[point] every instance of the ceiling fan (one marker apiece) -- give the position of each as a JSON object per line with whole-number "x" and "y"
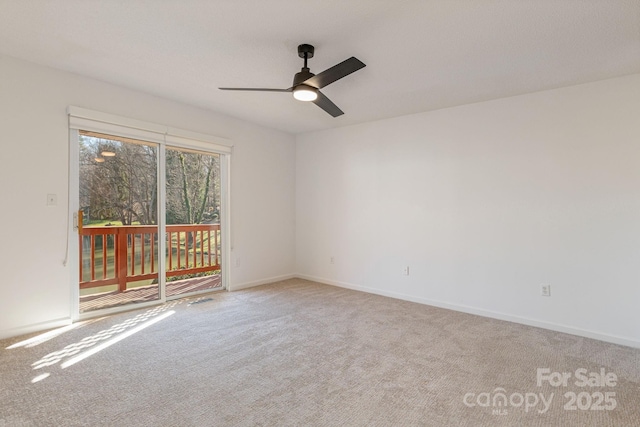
{"x": 306, "y": 85}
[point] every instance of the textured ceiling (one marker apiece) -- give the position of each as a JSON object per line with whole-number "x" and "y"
{"x": 421, "y": 55}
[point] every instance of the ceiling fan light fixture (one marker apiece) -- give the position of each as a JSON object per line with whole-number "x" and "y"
{"x": 305, "y": 93}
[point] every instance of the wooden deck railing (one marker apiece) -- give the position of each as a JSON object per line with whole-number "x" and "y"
{"x": 116, "y": 255}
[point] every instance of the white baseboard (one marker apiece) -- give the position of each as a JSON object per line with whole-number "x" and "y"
{"x": 482, "y": 312}
{"x": 39, "y": 327}
{"x": 36, "y": 327}
{"x": 239, "y": 286}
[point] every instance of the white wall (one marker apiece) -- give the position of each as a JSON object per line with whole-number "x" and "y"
{"x": 34, "y": 285}
{"x": 484, "y": 203}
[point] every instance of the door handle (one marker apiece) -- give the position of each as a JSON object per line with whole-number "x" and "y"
{"x": 78, "y": 218}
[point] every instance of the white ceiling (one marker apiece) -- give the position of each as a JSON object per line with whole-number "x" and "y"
{"x": 421, "y": 54}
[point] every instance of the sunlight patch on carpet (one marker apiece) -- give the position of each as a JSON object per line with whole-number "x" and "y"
{"x": 112, "y": 341}
{"x": 44, "y": 337}
{"x": 40, "y": 377}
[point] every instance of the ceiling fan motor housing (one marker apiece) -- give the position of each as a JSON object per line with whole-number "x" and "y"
{"x": 300, "y": 77}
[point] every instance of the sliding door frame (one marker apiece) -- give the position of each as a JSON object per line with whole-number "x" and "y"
{"x": 162, "y": 137}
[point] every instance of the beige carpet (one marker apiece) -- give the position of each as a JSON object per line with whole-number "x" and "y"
{"x": 297, "y": 353}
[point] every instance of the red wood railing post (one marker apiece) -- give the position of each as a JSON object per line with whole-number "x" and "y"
{"x": 209, "y": 247}
{"x": 93, "y": 257}
{"x": 179, "y": 249}
{"x": 121, "y": 259}
{"x": 215, "y": 233}
{"x": 201, "y": 248}
{"x": 81, "y": 257}
{"x": 170, "y": 247}
{"x": 133, "y": 253}
{"x": 153, "y": 251}
{"x": 104, "y": 256}
{"x": 143, "y": 237}
{"x": 195, "y": 249}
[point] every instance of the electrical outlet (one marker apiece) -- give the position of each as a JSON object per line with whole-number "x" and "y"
{"x": 545, "y": 290}
{"x": 405, "y": 271}
{"x": 332, "y": 260}
{"x": 237, "y": 262}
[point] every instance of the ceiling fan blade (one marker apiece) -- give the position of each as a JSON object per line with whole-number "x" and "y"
{"x": 334, "y": 73}
{"x": 328, "y": 106}
{"x": 256, "y": 89}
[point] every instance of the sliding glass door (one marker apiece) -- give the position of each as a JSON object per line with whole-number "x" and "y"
{"x": 137, "y": 244}
{"x": 117, "y": 221}
{"x": 193, "y": 222}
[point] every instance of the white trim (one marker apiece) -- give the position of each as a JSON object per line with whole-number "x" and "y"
{"x": 73, "y": 254}
{"x": 196, "y": 141}
{"x": 161, "y": 179}
{"x": 82, "y": 118}
{"x": 225, "y": 218}
{"x": 97, "y": 116}
{"x": 481, "y": 312}
{"x": 239, "y": 286}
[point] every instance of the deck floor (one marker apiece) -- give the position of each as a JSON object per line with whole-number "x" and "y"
{"x": 148, "y": 293}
